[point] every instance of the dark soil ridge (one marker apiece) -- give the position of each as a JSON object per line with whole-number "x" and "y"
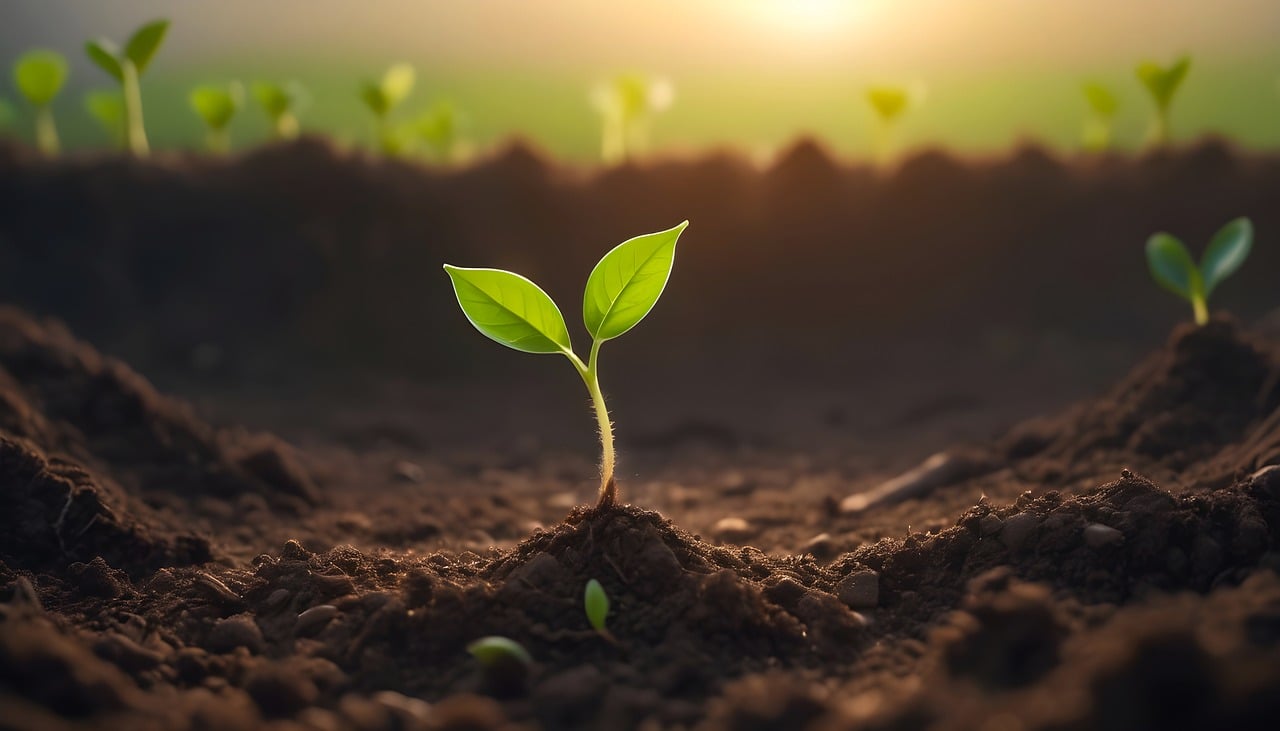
{"x": 331, "y": 258}
{"x": 87, "y": 447}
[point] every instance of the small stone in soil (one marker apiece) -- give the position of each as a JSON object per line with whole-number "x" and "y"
{"x": 1097, "y": 535}
{"x": 233, "y": 632}
{"x": 731, "y": 529}
{"x": 1017, "y": 529}
{"x": 860, "y": 590}
{"x": 315, "y": 618}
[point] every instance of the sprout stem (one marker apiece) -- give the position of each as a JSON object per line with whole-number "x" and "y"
{"x": 1201, "y": 309}
{"x": 590, "y": 376}
{"x": 46, "y": 131}
{"x": 135, "y": 130}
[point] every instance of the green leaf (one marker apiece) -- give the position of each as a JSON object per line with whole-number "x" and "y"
{"x": 39, "y": 75}
{"x": 394, "y": 88}
{"x": 108, "y": 108}
{"x": 1171, "y": 265}
{"x": 491, "y": 650}
{"x": 1227, "y": 251}
{"x": 144, "y": 43}
{"x": 106, "y": 55}
{"x": 510, "y": 309}
{"x": 1163, "y": 82}
{"x": 371, "y": 94}
{"x": 216, "y": 105}
{"x": 628, "y": 281}
{"x": 277, "y": 99}
{"x": 888, "y": 101}
{"x": 597, "y": 605}
{"x": 1101, "y": 100}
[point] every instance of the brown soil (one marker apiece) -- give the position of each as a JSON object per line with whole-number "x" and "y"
{"x": 1110, "y": 564}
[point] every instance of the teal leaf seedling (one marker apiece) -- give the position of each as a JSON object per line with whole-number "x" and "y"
{"x": 1162, "y": 83}
{"x": 40, "y": 76}
{"x": 596, "y": 603}
{"x": 1173, "y": 268}
{"x": 217, "y": 106}
{"x": 281, "y": 103}
{"x": 382, "y": 97}
{"x": 107, "y": 109}
{"x": 627, "y": 105}
{"x": 622, "y": 288}
{"x": 1098, "y": 126}
{"x": 126, "y": 65}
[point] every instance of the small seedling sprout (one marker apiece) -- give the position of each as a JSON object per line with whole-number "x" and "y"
{"x": 596, "y": 602}
{"x": 281, "y": 103}
{"x": 1174, "y": 269}
{"x": 217, "y": 106}
{"x": 494, "y": 650}
{"x": 627, "y": 106}
{"x": 888, "y": 104}
{"x": 1162, "y": 82}
{"x": 39, "y": 76}
{"x": 622, "y": 289}
{"x": 1098, "y": 126}
{"x": 107, "y": 107}
{"x": 440, "y": 127}
{"x": 382, "y": 97}
{"x": 126, "y": 66}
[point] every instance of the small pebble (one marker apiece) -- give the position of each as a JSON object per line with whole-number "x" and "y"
{"x": 233, "y": 632}
{"x": 315, "y": 618}
{"x": 860, "y": 590}
{"x": 990, "y": 524}
{"x": 1097, "y": 535}
{"x": 277, "y": 598}
{"x": 416, "y": 708}
{"x": 411, "y": 472}
{"x": 1017, "y": 529}
{"x": 731, "y": 528}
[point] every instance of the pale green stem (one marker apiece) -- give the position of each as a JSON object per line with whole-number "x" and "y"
{"x": 219, "y": 140}
{"x": 1201, "y": 309}
{"x": 883, "y": 140}
{"x": 135, "y": 129}
{"x": 590, "y": 376}
{"x": 1161, "y": 135}
{"x": 46, "y": 131}
{"x": 286, "y": 126}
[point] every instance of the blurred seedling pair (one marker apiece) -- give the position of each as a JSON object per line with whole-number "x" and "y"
{"x": 1173, "y": 268}
{"x": 439, "y": 128}
{"x": 126, "y": 65}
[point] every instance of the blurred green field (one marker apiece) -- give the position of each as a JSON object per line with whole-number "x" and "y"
{"x": 755, "y": 113}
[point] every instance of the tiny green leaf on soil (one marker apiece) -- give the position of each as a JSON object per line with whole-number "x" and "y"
{"x": 216, "y": 105}
{"x": 1101, "y": 99}
{"x": 493, "y": 650}
{"x": 596, "y": 602}
{"x": 1163, "y": 81}
{"x": 1173, "y": 268}
{"x": 628, "y": 281}
{"x": 889, "y": 102}
{"x": 40, "y": 75}
{"x": 510, "y": 309}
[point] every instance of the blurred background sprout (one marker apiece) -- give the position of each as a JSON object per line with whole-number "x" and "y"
{"x": 281, "y": 103}
{"x": 627, "y": 105}
{"x": 1100, "y": 122}
{"x": 107, "y": 109}
{"x": 440, "y": 128}
{"x": 126, "y": 65}
{"x": 888, "y": 105}
{"x": 382, "y": 97}
{"x": 39, "y": 76}
{"x": 217, "y": 106}
{"x": 1162, "y": 82}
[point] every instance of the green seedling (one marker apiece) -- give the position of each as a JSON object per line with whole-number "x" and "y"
{"x": 1174, "y": 269}
{"x": 281, "y": 103}
{"x": 888, "y": 104}
{"x": 1098, "y": 126}
{"x": 503, "y": 661}
{"x": 440, "y": 127}
{"x": 596, "y": 602}
{"x": 107, "y": 107}
{"x": 1162, "y": 82}
{"x": 126, "y": 65}
{"x": 623, "y": 287}
{"x": 382, "y": 97}
{"x": 627, "y": 106}
{"x": 217, "y": 106}
{"x": 39, "y": 76}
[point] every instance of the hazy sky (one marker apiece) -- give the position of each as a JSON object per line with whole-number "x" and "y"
{"x": 672, "y": 35}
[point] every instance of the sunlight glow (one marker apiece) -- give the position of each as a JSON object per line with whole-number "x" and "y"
{"x": 810, "y": 16}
